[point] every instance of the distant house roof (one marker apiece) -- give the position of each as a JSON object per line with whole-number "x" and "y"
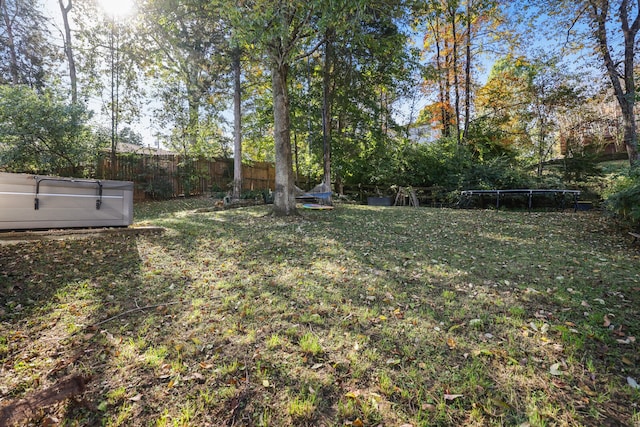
{"x": 125, "y": 147}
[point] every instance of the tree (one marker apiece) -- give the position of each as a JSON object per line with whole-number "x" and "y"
{"x": 68, "y": 48}
{"x": 182, "y": 44}
{"x": 503, "y": 106}
{"x": 612, "y": 26}
{"x": 237, "y": 122}
{"x": 625, "y": 91}
{"x": 281, "y": 29}
{"x": 40, "y": 133}
{"x": 103, "y": 56}
{"x": 552, "y": 94}
{"x": 372, "y": 65}
{"x": 457, "y": 33}
{"x": 524, "y": 99}
{"x": 24, "y": 44}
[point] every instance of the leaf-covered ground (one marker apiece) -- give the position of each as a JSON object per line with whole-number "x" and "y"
{"x": 359, "y": 316}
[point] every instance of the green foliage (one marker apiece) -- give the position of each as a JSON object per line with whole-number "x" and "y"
{"x": 456, "y": 167}
{"x": 41, "y": 133}
{"x": 26, "y": 50}
{"x": 159, "y": 188}
{"x": 581, "y": 166}
{"x": 186, "y": 59}
{"x": 442, "y": 163}
{"x": 487, "y": 139}
{"x": 623, "y": 197}
{"x": 497, "y": 173}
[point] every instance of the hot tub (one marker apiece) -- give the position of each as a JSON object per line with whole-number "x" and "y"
{"x": 43, "y": 202}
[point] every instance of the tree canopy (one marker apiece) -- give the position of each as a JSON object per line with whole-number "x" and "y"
{"x": 332, "y": 91}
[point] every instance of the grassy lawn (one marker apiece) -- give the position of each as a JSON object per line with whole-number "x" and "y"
{"x": 359, "y": 316}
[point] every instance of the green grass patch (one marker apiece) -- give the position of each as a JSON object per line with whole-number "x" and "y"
{"x": 358, "y": 316}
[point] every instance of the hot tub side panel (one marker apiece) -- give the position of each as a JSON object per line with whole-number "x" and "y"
{"x": 30, "y": 202}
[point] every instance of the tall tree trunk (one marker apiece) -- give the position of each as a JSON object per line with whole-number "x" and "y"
{"x": 68, "y": 49}
{"x": 13, "y": 56}
{"x": 441, "y": 85}
{"x": 296, "y": 158}
{"x": 114, "y": 110}
{"x": 237, "y": 126}
{"x": 284, "y": 201}
{"x": 447, "y": 86}
{"x": 625, "y": 95}
{"x": 467, "y": 74}
{"x": 194, "y": 110}
{"x": 456, "y": 82}
{"x": 326, "y": 107}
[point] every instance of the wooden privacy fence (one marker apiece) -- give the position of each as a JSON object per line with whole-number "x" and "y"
{"x": 168, "y": 176}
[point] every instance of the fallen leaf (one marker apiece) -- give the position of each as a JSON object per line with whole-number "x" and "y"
{"x": 451, "y": 397}
{"x": 500, "y": 403}
{"x": 555, "y": 369}
{"x": 136, "y": 398}
{"x": 558, "y": 383}
{"x": 428, "y": 407}
{"x": 451, "y": 343}
{"x": 351, "y": 395}
{"x": 265, "y": 383}
{"x": 606, "y": 322}
{"x": 633, "y": 383}
{"x": 358, "y": 423}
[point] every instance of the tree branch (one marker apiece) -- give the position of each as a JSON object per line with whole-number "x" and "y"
{"x": 311, "y": 51}
{"x": 133, "y": 310}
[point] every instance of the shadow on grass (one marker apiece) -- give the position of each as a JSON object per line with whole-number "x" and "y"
{"x": 501, "y": 272}
{"x": 378, "y": 314}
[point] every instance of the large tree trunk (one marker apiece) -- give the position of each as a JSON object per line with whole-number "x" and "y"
{"x": 68, "y": 50}
{"x": 456, "y": 83}
{"x": 630, "y": 133}
{"x": 467, "y": 75}
{"x": 284, "y": 201}
{"x": 237, "y": 126}
{"x": 326, "y": 108}
{"x": 625, "y": 95}
{"x": 441, "y": 85}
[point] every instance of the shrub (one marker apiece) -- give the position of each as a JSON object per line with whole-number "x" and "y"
{"x": 623, "y": 197}
{"x": 497, "y": 173}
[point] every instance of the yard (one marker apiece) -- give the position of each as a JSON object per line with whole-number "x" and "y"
{"x": 360, "y": 316}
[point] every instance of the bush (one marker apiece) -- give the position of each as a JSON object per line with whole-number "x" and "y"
{"x": 441, "y": 163}
{"x": 41, "y": 133}
{"x": 623, "y": 197}
{"x": 498, "y": 173}
{"x": 159, "y": 188}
